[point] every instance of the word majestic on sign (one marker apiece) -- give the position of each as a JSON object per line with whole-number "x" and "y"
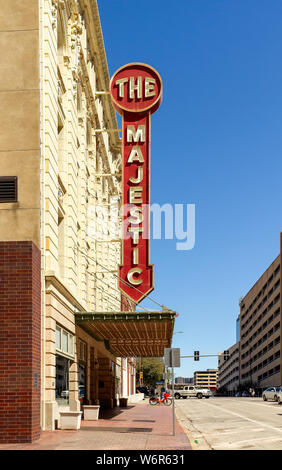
{"x": 136, "y": 91}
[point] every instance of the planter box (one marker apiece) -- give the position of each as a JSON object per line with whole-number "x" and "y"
{"x": 91, "y": 412}
{"x": 123, "y": 402}
{"x": 70, "y": 419}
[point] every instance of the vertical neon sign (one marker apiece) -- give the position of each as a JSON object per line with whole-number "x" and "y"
{"x": 136, "y": 91}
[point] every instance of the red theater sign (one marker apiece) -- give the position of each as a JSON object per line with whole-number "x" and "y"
{"x": 136, "y": 91}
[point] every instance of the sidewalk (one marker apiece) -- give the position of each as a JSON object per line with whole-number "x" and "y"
{"x": 137, "y": 427}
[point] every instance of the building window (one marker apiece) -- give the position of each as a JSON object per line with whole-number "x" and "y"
{"x": 82, "y": 358}
{"x": 64, "y": 342}
{"x": 62, "y": 380}
{"x": 81, "y": 382}
{"x": 64, "y": 355}
{"x": 58, "y": 338}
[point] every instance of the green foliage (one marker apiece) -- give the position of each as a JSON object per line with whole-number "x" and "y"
{"x": 153, "y": 369}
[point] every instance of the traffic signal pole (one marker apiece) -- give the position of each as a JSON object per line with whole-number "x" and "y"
{"x": 198, "y": 355}
{"x": 202, "y": 355}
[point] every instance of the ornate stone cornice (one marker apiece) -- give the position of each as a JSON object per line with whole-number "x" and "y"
{"x": 98, "y": 49}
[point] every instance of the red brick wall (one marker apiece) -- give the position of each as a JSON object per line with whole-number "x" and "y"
{"x": 20, "y": 344}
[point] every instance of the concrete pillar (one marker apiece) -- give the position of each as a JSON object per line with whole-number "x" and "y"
{"x": 94, "y": 373}
{"x": 106, "y": 383}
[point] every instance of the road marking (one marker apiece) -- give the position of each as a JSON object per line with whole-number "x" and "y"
{"x": 272, "y": 404}
{"x": 262, "y": 403}
{"x": 248, "y": 419}
{"x": 249, "y": 441}
{"x": 223, "y": 432}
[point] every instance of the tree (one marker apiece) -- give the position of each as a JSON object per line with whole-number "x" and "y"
{"x": 153, "y": 369}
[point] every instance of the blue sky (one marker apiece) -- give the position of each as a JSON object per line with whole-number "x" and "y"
{"x": 216, "y": 143}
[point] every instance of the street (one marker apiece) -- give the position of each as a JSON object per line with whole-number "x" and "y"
{"x": 229, "y": 423}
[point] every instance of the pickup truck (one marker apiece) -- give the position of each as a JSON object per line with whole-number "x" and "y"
{"x": 190, "y": 391}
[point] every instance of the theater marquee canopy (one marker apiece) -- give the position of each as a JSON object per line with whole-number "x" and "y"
{"x": 130, "y": 333}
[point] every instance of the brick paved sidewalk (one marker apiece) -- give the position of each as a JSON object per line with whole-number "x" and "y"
{"x": 137, "y": 427}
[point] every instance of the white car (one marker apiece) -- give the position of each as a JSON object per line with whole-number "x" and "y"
{"x": 279, "y": 397}
{"x": 190, "y": 391}
{"x": 271, "y": 393}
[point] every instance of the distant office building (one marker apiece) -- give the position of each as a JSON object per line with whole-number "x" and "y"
{"x": 260, "y": 324}
{"x": 255, "y": 359}
{"x": 184, "y": 380}
{"x": 206, "y": 378}
{"x": 229, "y": 370}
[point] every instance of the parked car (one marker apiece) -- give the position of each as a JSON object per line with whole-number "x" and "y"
{"x": 245, "y": 394}
{"x": 271, "y": 393}
{"x": 190, "y": 391}
{"x": 279, "y": 397}
{"x": 81, "y": 392}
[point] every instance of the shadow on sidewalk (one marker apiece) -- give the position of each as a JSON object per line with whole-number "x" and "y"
{"x": 112, "y": 413}
{"x": 111, "y": 429}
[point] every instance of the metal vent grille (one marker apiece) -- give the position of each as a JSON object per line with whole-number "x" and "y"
{"x": 8, "y": 189}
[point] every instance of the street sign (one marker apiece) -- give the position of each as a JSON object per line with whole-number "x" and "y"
{"x": 172, "y": 357}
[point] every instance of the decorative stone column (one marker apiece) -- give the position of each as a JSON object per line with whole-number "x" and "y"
{"x": 94, "y": 374}
{"x": 74, "y": 402}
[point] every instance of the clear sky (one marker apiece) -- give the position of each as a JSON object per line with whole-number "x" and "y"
{"x": 216, "y": 143}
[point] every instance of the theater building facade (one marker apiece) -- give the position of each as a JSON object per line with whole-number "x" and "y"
{"x": 67, "y": 335}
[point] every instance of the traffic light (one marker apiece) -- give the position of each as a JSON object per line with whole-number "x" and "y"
{"x": 226, "y": 355}
{"x": 196, "y": 355}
